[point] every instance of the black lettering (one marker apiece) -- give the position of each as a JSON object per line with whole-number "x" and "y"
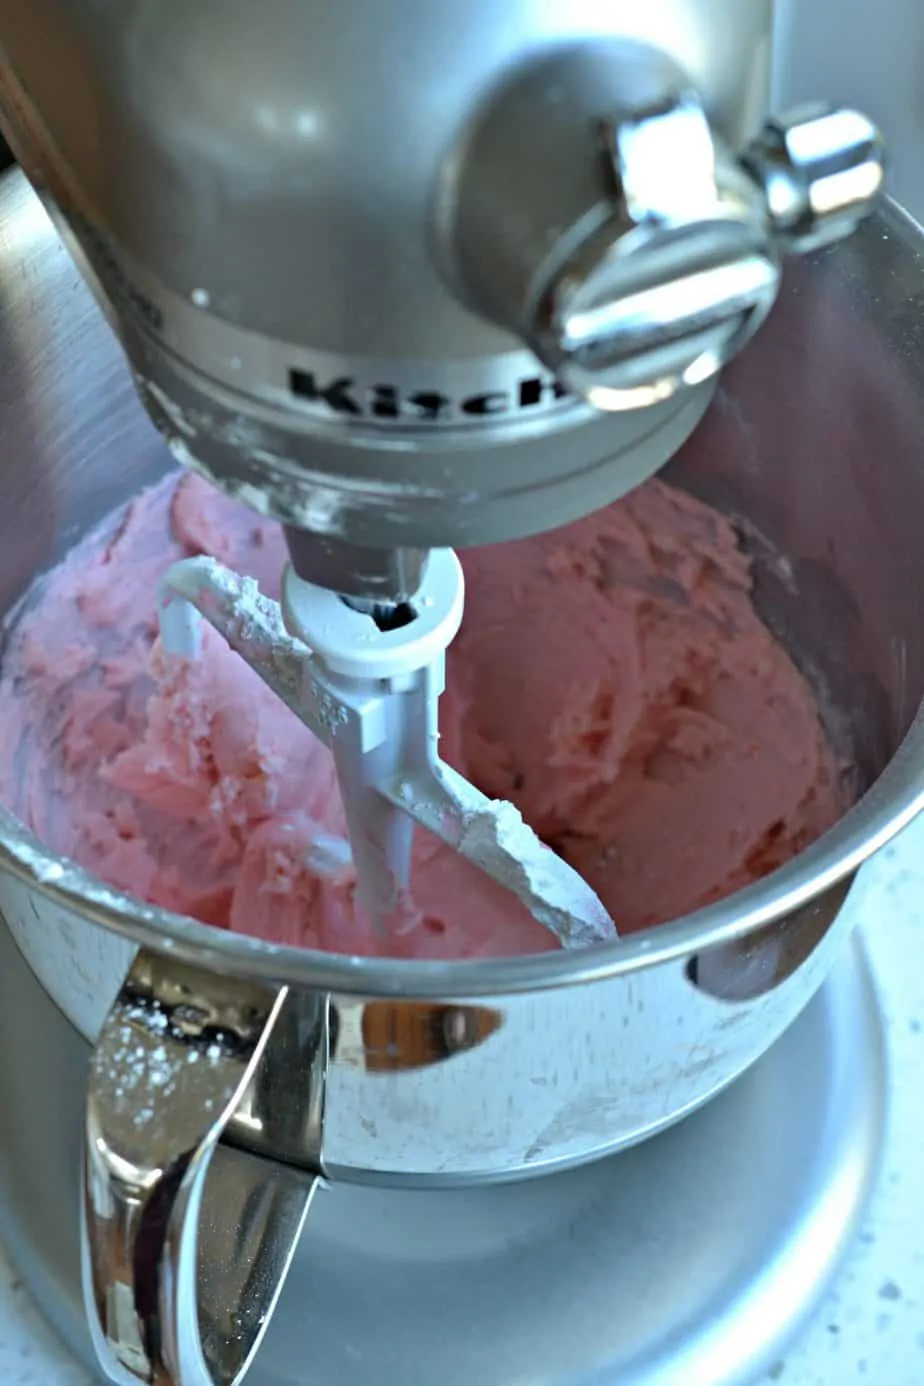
{"x": 536, "y": 390}
{"x": 495, "y": 403}
{"x": 335, "y": 395}
{"x": 385, "y": 403}
{"x": 429, "y": 405}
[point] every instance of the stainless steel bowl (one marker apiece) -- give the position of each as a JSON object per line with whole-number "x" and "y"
{"x": 309, "y": 1065}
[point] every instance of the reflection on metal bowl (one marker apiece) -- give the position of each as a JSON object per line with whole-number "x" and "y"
{"x": 384, "y": 1071}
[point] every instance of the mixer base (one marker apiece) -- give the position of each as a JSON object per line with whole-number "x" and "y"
{"x": 694, "y": 1257}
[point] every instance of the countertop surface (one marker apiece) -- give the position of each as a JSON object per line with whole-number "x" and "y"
{"x": 870, "y": 1329}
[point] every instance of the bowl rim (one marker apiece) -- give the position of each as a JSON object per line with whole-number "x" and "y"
{"x": 889, "y": 805}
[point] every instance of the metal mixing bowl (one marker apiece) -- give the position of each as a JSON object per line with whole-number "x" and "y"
{"x": 423, "y": 1072}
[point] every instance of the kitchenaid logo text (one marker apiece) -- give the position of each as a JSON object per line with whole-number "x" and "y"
{"x": 343, "y": 397}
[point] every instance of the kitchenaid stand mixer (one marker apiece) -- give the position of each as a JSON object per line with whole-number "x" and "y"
{"x": 395, "y": 321}
{"x": 407, "y": 283}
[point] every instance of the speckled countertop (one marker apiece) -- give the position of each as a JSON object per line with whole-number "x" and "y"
{"x": 870, "y": 1330}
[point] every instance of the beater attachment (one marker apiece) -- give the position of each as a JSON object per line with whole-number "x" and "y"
{"x": 371, "y": 694}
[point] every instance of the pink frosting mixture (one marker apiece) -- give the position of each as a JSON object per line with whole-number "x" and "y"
{"x": 611, "y": 679}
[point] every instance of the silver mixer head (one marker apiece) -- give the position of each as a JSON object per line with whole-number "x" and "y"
{"x": 464, "y": 279}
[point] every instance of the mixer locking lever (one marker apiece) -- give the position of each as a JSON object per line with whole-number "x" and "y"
{"x": 639, "y": 273}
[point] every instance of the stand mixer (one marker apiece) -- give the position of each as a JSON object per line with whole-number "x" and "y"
{"x": 407, "y": 282}
{"x": 424, "y": 292}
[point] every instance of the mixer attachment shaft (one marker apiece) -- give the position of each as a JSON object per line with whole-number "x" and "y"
{"x": 371, "y": 695}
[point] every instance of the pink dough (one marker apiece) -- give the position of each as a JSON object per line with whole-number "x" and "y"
{"x": 612, "y": 679}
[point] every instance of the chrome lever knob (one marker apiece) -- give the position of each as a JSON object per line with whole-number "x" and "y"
{"x": 674, "y": 282}
{"x": 637, "y": 263}
{"x": 821, "y": 170}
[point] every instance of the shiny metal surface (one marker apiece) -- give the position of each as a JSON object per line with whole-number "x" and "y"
{"x": 385, "y": 577}
{"x": 285, "y": 280}
{"x": 694, "y": 1258}
{"x": 179, "y": 1052}
{"x": 839, "y": 505}
{"x": 819, "y": 171}
{"x": 454, "y": 1073}
{"x": 875, "y": 64}
{"x": 664, "y": 260}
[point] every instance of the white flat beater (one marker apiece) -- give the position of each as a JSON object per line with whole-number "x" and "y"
{"x": 371, "y": 695}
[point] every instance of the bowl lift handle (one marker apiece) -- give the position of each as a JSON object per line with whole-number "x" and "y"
{"x": 188, "y": 1229}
